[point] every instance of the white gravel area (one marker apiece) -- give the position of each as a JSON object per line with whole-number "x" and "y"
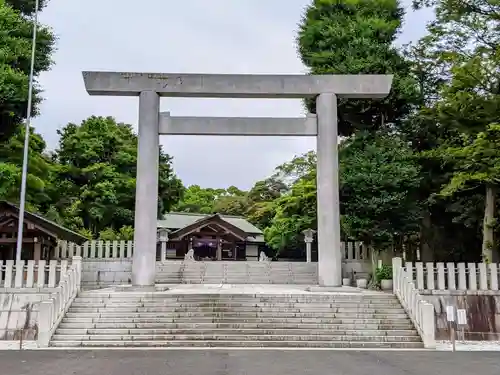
{"x": 14, "y": 345}
{"x": 469, "y": 346}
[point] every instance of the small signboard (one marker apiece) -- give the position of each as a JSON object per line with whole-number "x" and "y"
{"x": 461, "y": 317}
{"x": 450, "y": 313}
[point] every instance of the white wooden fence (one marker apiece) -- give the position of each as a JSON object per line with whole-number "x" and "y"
{"x": 32, "y": 274}
{"x": 454, "y": 276}
{"x": 351, "y": 251}
{"x": 95, "y": 249}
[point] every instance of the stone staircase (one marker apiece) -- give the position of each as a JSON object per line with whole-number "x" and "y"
{"x": 167, "y": 319}
{"x": 230, "y": 272}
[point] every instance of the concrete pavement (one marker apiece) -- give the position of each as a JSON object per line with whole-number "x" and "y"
{"x": 246, "y": 362}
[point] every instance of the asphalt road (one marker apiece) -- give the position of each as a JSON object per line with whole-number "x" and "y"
{"x": 245, "y": 362}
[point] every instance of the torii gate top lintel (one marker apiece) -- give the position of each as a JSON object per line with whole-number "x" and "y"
{"x": 236, "y": 85}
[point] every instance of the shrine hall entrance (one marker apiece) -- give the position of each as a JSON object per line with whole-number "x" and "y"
{"x": 212, "y": 238}
{"x": 205, "y": 249}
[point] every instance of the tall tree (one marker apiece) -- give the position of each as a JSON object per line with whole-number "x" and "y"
{"x": 198, "y": 200}
{"x": 15, "y": 59}
{"x": 27, "y": 7}
{"x": 477, "y": 164}
{"x": 40, "y": 168}
{"x": 356, "y": 37}
{"x": 294, "y": 212}
{"x": 233, "y": 202}
{"x": 464, "y": 40}
{"x": 96, "y": 175}
{"x": 379, "y": 178}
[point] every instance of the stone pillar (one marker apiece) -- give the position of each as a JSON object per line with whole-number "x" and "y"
{"x": 146, "y": 199}
{"x": 329, "y": 247}
{"x": 308, "y": 252}
{"x": 308, "y": 239}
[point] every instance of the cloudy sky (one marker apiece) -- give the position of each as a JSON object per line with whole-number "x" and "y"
{"x": 192, "y": 36}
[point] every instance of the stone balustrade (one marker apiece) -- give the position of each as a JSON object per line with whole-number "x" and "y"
{"x": 52, "y": 311}
{"x": 420, "y": 311}
{"x": 454, "y": 276}
{"x": 352, "y": 251}
{"x": 32, "y": 273}
{"x": 95, "y": 249}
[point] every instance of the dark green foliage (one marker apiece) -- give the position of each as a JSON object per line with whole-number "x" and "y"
{"x": 356, "y": 37}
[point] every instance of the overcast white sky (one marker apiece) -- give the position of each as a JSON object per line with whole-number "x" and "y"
{"x": 192, "y": 36}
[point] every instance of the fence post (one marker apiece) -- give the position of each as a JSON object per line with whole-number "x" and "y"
{"x": 483, "y": 276}
{"x": 45, "y": 320}
{"x": 77, "y": 262}
{"x": 397, "y": 264}
{"x": 472, "y": 276}
{"x": 428, "y": 325}
{"x": 19, "y": 278}
{"x": 493, "y": 276}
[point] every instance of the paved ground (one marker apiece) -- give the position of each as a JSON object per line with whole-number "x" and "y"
{"x": 245, "y": 362}
{"x": 242, "y": 289}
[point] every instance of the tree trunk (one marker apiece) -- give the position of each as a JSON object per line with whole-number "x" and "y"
{"x": 426, "y": 253}
{"x": 488, "y": 224}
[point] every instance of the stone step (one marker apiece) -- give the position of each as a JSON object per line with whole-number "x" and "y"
{"x": 235, "y": 337}
{"x": 274, "y": 274}
{"x": 228, "y": 331}
{"x": 349, "y": 293}
{"x": 242, "y": 315}
{"x": 236, "y": 322}
{"x": 127, "y": 296}
{"x": 165, "y": 319}
{"x": 239, "y": 310}
{"x": 240, "y": 344}
{"x": 103, "y": 325}
{"x": 80, "y": 302}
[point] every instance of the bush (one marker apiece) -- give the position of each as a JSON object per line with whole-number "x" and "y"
{"x": 383, "y": 273}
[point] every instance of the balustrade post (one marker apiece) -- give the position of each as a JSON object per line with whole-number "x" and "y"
{"x": 77, "y": 261}
{"x": 397, "y": 264}
{"x": 428, "y": 325}
{"x": 45, "y": 321}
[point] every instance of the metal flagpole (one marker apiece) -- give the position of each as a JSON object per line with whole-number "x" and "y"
{"x": 22, "y": 198}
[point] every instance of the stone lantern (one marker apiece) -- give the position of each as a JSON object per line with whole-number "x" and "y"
{"x": 162, "y": 235}
{"x": 308, "y": 239}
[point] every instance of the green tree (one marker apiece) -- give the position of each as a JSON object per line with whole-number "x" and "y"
{"x": 233, "y": 202}
{"x": 198, "y": 200}
{"x": 261, "y": 201}
{"x": 477, "y": 164}
{"x": 294, "y": 212}
{"x": 470, "y": 103}
{"x": 230, "y": 201}
{"x": 464, "y": 41}
{"x": 124, "y": 233}
{"x": 96, "y": 175}
{"x": 289, "y": 204}
{"x": 356, "y": 37}
{"x": 15, "y": 59}
{"x": 379, "y": 178}
{"x": 27, "y": 7}
{"x": 40, "y": 168}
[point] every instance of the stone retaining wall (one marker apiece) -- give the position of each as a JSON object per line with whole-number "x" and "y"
{"x": 482, "y": 307}
{"x": 19, "y": 312}
{"x": 99, "y": 273}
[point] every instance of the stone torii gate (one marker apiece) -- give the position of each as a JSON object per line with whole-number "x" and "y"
{"x": 149, "y": 87}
